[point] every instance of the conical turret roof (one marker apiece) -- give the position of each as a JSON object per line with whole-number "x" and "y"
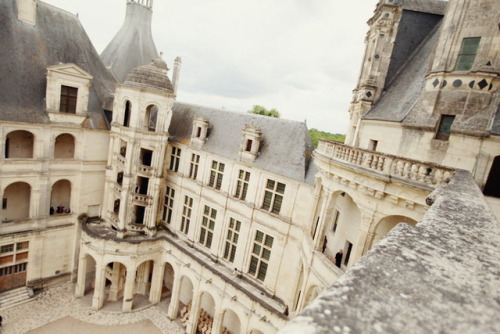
{"x": 133, "y": 45}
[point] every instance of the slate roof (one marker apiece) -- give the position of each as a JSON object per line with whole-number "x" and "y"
{"x": 285, "y": 149}
{"x": 151, "y": 76}
{"x": 402, "y": 93}
{"x": 26, "y": 52}
{"x": 133, "y": 45}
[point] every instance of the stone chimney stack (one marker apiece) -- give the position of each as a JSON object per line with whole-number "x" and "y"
{"x": 176, "y": 73}
{"x": 26, "y": 11}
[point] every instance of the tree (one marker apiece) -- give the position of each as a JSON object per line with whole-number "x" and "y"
{"x": 260, "y": 110}
{"x": 316, "y": 135}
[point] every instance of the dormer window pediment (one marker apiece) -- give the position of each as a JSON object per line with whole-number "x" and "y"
{"x": 67, "y": 94}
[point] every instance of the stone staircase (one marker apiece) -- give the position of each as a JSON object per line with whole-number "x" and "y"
{"x": 15, "y": 297}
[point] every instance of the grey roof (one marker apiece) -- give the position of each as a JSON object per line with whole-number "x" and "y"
{"x": 151, "y": 76}
{"x": 424, "y": 6}
{"x": 26, "y": 52}
{"x": 133, "y": 45}
{"x": 441, "y": 276}
{"x": 285, "y": 149}
{"x": 397, "y": 101}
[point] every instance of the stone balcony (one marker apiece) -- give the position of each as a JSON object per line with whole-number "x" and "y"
{"x": 423, "y": 174}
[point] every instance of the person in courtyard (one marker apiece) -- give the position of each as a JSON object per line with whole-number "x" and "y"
{"x": 338, "y": 258}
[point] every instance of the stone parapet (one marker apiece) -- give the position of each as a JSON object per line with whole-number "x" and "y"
{"x": 393, "y": 167}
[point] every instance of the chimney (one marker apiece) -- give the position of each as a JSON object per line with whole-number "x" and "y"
{"x": 176, "y": 73}
{"x": 26, "y": 11}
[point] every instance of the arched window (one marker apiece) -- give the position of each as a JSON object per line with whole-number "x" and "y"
{"x": 60, "y": 198}
{"x": 64, "y": 147}
{"x": 126, "y": 117}
{"x": 151, "y": 118}
{"x": 16, "y": 202}
{"x": 19, "y": 145}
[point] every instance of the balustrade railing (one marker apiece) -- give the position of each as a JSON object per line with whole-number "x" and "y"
{"x": 145, "y": 170}
{"x": 390, "y": 165}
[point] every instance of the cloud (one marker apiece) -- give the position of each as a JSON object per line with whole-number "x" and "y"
{"x": 301, "y": 57}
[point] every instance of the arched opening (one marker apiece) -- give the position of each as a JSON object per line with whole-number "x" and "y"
{"x": 64, "y": 147}
{"x": 151, "y": 118}
{"x": 60, "y": 198}
{"x": 312, "y": 293}
{"x": 168, "y": 281}
{"x": 386, "y": 224}
{"x": 126, "y": 116}
{"x": 116, "y": 274}
{"x": 90, "y": 270}
{"x": 143, "y": 279}
{"x": 16, "y": 202}
{"x": 206, "y": 315}
{"x": 185, "y": 300}
{"x": 231, "y": 323}
{"x": 492, "y": 186}
{"x": 341, "y": 230}
{"x": 19, "y": 145}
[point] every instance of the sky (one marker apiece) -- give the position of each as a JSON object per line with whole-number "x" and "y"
{"x": 301, "y": 57}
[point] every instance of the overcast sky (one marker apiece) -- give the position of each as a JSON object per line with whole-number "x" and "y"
{"x": 301, "y": 57}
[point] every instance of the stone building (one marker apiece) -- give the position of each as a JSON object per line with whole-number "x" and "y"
{"x": 109, "y": 182}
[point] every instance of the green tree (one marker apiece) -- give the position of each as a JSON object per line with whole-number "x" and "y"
{"x": 316, "y": 135}
{"x": 260, "y": 110}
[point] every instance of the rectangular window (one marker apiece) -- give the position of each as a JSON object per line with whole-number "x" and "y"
{"x": 372, "y": 145}
{"x": 68, "y": 99}
{"x": 467, "y": 53}
{"x": 233, "y": 232}
{"x": 261, "y": 253}
{"x": 193, "y": 167}
{"x": 207, "y": 226}
{"x": 216, "y": 174}
{"x": 175, "y": 159}
{"x": 186, "y": 214}
{"x": 273, "y": 197}
{"x": 168, "y": 205}
{"x": 347, "y": 252}
{"x": 444, "y": 128}
{"x": 7, "y": 248}
{"x": 336, "y": 216}
{"x": 242, "y": 185}
{"x": 17, "y": 268}
{"x": 4, "y": 203}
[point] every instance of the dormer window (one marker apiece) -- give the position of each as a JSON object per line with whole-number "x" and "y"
{"x": 250, "y": 143}
{"x": 69, "y": 97}
{"x": 67, "y": 94}
{"x": 200, "y": 131}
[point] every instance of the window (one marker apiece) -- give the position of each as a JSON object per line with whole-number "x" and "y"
{"x": 261, "y": 253}
{"x": 126, "y": 117}
{"x": 248, "y": 147}
{"x": 7, "y": 248}
{"x": 146, "y": 157}
{"x": 444, "y": 129}
{"x": 372, "y": 146}
{"x": 232, "y": 236}
{"x": 347, "y": 251}
{"x": 17, "y": 268}
{"x": 216, "y": 175}
{"x": 207, "y": 226}
{"x": 186, "y": 214}
{"x": 168, "y": 205}
{"x": 175, "y": 159}
{"x": 193, "y": 167}
{"x": 467, "y": 53}
{"x": 242, "y": 185}
{"x": 4, "y": 203}
{"x": 68, "y": 99}
{"x": 336, "y": 216}
{"x": 273, "y": 197}
{"x": 151, "y": 118}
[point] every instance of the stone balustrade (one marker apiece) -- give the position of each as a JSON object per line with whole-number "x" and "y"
{"x": 145, "y": 170}
{"x": 404, "y": 169}
{"x": 120, "y": 159}
{"x": 142, "y": 199}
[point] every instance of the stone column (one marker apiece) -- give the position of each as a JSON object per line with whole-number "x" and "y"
{"x": 318, "y": 237}
{"x": 157, "y": 283}
{"x": 173, "y": 308}
{"x": 217, "y": 324}
{"x": 362, "y": 242}
{"x": 194, "y": 315}
{"x": 82, "y": 275}
{"x": 142, "y": 278}
{"x": 100, "y": 284}
{"x": 115, "y": 282}
{"x": 128, "y": 294}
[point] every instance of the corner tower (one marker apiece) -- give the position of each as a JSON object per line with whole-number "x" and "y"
{"x": 133, "y": 45}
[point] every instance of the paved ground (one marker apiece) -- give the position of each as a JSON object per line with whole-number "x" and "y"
{"x": 57, "y": 311}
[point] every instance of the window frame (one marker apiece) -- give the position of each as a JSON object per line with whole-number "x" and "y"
{"x": 260, "y": 255}
{"x": 68, "y": 94}
{"x": 187, "y": 210}
{"x": 467, "y": 53}
{"x": 443, "y": 130}
{"x": 242, "y": 184}
{"x": 168, "y": 205}
{"x": 232, "y": 237}
{"x": 194, "y": 166}
{"x": 175, "y": 158}
{"x": 216, "y": 174}
{"x": 207, "y": 226}
{"x": 273, "y": 196}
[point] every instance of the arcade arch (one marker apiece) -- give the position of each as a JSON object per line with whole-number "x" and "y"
{"x": 386, "y": 224}
{"x": 60, "y": 197}
{"x": 19, "y": 145}
{"x": 230, "y": 323}
{"x": 64, "y": 147}
{"x": 16, "y": 202}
